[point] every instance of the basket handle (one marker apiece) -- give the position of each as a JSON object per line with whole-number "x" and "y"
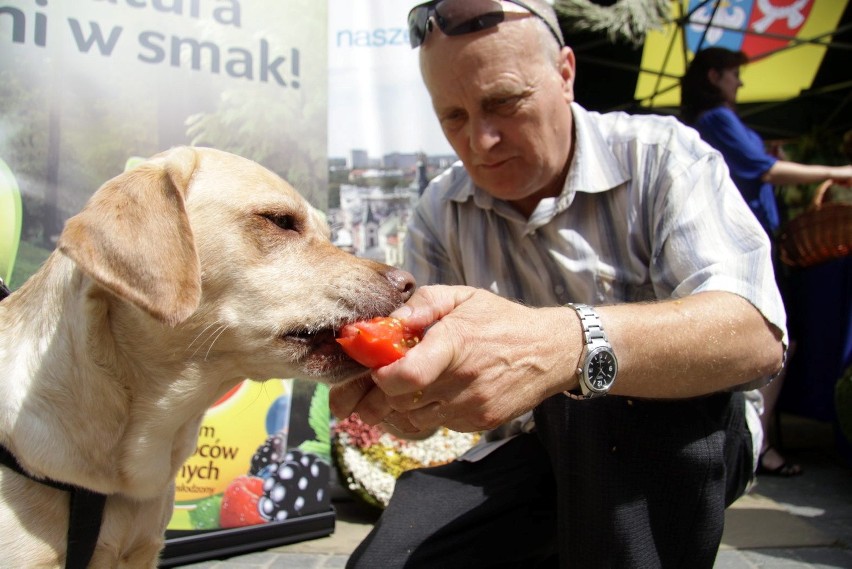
{"x": 819, "y": 194}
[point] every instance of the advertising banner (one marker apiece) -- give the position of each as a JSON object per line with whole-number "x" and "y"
{"x": 87, "y": 85}
{"x": 378, "y": 105}
{"x": 384, "y": 139}
{"x": 782, "y": 39}
{"x": 89, "y": 88}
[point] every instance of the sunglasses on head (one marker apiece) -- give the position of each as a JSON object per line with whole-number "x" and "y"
{"x": 459, "y": 17}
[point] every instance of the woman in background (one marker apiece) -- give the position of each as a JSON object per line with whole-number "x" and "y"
{"x": 708, "y": 103}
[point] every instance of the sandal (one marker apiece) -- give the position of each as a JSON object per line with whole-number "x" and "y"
{"x": 784, "y": 470}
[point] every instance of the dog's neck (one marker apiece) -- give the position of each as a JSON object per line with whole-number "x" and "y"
{"x": 76, "y": 365}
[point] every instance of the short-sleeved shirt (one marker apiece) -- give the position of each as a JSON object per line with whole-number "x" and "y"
{"x": 747, "y": 159}
{"x": 648, "y": 211}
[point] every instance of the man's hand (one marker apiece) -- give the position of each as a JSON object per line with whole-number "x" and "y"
{"x": 483, "y": 361}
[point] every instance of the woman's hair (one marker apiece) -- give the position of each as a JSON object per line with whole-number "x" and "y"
{"x": 697, "y": 94}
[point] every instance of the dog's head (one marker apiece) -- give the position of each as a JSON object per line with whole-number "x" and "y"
{"x": 223, "y": 254}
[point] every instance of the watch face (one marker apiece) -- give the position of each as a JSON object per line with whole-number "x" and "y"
{"x": 602, "y": 370}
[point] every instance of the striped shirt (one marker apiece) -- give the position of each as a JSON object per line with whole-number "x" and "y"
{"x": 648, "y": 211}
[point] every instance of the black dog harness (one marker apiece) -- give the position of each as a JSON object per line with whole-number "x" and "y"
{"x": 86, "y": 507}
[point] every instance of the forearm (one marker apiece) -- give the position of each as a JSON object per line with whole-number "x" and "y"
{"x": 474, "y": 371}
{"x": 701, "y": 344}
{"x": 785, "y": 172}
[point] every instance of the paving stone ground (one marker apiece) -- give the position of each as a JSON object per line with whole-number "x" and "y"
{"x": 785, "y": 523}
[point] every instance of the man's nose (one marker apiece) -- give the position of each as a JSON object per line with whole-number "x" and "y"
{"x": 484, "y": 135}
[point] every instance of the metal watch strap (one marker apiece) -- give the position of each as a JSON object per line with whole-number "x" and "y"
{"x": 593, "y": 336}
{"x": 591, "y": 322}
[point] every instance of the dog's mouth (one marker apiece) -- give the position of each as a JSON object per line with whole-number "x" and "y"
{"x": 313, "y": 339}
{"x": 319, "y": 344}
{"x": 319, "y": 353}
{"x": 319, "y": 356}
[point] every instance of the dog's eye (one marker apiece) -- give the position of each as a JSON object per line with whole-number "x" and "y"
{"x": 286, "y": 222}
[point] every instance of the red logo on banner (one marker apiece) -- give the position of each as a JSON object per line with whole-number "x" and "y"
{"x": 756, "y": 27}
{"x": 774, "y": 18}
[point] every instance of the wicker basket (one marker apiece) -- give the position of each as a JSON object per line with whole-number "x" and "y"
{"x": 822, "y": 233}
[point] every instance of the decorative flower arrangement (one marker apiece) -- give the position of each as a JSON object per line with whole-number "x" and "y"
{"x": 370, "y": 459}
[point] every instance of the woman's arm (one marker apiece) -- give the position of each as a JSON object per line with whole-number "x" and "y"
{"x": 786, "y": 172}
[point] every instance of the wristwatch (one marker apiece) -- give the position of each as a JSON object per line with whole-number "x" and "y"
{"x": 598, "y": 364}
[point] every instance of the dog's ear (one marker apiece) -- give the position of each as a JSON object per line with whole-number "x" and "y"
{"x": 133, "y": 237}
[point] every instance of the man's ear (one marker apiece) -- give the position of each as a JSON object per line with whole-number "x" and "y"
{"x": 567, "y": 69}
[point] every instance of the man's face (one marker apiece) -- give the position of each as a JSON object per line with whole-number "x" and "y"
{"x": 503, "y": 103}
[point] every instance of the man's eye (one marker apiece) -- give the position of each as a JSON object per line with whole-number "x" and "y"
{"x": 504, "y": 103}
{"x": 453, "y": 120}
{"x": 286, "y": 222}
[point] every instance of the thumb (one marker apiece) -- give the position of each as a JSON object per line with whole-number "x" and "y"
{"x": 430, "y": 303}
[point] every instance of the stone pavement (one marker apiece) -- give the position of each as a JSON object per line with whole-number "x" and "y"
{"x": 784, "y": 523}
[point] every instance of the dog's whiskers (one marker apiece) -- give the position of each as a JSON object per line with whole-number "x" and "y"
{"x": 200, "y": 333}
{"x": 218, "y": 334}
{"x": 219, "y": 328}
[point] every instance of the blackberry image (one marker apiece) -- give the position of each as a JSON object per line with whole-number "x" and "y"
{"x": 298, "y": 486}
{"x": 268, "y": 456}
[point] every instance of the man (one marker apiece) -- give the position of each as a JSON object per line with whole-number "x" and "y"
{"x": 639, "y": 437}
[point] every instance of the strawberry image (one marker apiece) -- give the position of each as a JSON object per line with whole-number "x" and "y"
{"x": 239, "y": 503}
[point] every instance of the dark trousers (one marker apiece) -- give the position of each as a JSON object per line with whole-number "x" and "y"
{"x": 639, "y": 484}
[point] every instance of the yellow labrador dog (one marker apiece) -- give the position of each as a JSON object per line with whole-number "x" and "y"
{"x": 178, "y": 279}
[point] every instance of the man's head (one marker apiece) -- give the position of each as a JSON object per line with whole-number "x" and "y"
{"x": 502, "y": 92}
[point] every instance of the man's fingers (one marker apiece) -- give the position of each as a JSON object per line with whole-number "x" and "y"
{"x": 344, "y": 397}
{"x": 430, "y": 303}
{"x": 429, "y": 417}
{"x": 398, "y": 424}
{"x": 373, "y": 407}
{"x": 417, "y": 369}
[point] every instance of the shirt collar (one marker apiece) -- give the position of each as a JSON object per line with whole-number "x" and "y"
{"x": 594, "y": 167}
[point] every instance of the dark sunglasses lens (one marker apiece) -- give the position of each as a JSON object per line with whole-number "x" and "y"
{"x": 417, "y": 19}
{"x": 482, "y": 22}
{"x": 454, "y": 17}
{"x": 458, "y": 17}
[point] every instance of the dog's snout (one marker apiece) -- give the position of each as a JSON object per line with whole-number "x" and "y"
{"x": 403, "y": 281}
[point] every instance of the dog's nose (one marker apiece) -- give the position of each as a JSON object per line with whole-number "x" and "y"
{"x": 403, "y": 281}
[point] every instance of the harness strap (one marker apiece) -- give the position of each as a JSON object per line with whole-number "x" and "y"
{"x": 84, "y": 520}
{"x": 84, "y": 526}
{"x": 86, "y": 507}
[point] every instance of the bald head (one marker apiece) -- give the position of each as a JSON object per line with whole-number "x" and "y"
{"x": 502, "y": 96}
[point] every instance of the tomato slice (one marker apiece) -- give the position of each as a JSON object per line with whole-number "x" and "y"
{"x": 377, "y": 342}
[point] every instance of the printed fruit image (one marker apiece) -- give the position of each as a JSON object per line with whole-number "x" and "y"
{"x": 268, "y": 456}
{"x": 11, "y": 212}
{"x": 377, "y": 342}
{"x": 222, "y": 485}
{"x": 206, "y": 513}
{"x": 298, "y": 485}
{"x": 239, "y": 503}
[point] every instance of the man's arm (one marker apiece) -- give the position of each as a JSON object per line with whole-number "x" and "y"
{"x": 486, "y": 360}
{"x": 703, "y": 343}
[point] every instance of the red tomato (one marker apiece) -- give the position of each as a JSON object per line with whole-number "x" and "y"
{"x": 377, "y": 342}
